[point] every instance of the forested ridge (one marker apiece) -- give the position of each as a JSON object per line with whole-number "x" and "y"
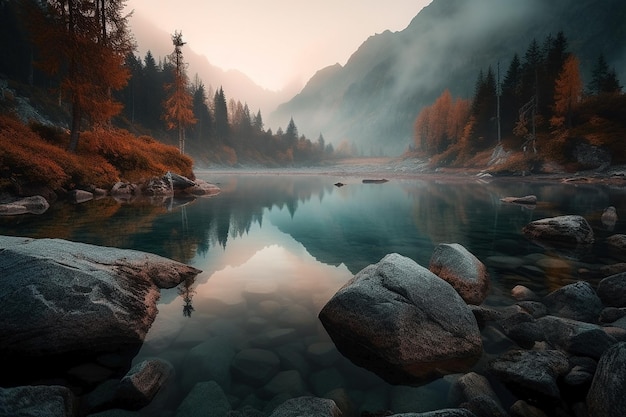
{"x": 537, "y": 112}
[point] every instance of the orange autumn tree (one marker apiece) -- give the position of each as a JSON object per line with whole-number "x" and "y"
{"x": 84, "y": 43}
{"x": 179, "y": 104}
{"x": 567, "y": 93}
{"x": 440, "y": 125}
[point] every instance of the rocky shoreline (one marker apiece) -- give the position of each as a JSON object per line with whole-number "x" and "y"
{"x": 158, "y": 190}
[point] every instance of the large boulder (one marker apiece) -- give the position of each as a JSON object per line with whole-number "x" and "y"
{"x": 466, "y": 273}
{"x": 401, "y": 321}
{"x": 62, "y": 298}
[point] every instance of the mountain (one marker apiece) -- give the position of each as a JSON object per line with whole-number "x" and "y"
{"x": 236, "y": 84}
{"x": 375, "y": 97}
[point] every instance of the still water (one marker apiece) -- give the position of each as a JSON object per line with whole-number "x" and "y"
{"x": 274, "y": 248}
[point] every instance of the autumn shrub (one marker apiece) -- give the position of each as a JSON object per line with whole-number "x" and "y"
{"x": 25, "y": 158}
{"x": 103, "y": 157}
{"x": 136, "y": 158}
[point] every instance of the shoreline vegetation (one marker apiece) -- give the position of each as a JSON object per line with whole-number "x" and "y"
{"x": 34, "y": 158}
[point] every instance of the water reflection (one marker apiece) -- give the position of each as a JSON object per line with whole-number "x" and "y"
{"x": 274, "y": 248}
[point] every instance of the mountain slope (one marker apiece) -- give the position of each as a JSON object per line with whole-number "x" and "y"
{"x": 374, "y": 99}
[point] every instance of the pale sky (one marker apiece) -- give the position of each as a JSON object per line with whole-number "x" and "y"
{"x": 277, "y": 42}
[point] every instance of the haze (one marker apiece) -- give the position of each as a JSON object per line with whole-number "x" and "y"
{"x": 276, "y": 42}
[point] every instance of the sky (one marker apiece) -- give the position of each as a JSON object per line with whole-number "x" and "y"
{"x": 277, "y": 42}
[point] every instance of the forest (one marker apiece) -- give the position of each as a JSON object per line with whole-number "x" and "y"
{"x": 75, "y": 63}
{"x": 540, "y": 112}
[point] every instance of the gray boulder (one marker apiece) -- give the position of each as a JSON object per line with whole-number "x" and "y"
{"x": 531, "y": 371}
{"x": 37, "y": 401}
{"x": 612, "y": 290}
{"x": 577, "y": 301}
{"x": 575, "y": 337}
{"x": 606, "y": 395}
{"x": 568, "y": 230}
{"x": 401, "y": 321}
{"x": 79, "y": 299}
{"x": 466, "y": 273}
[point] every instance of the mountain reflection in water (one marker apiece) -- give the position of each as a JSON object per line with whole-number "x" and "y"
{"x": 274, "y": 249}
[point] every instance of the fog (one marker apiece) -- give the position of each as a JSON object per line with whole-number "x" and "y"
{"x": 392, "y": 76}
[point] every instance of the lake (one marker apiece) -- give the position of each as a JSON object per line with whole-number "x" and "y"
{"x": 273, "y": 249}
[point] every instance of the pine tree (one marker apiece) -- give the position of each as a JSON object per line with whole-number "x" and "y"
{"x": 603, "y": 79}
{"x": 220, "y": 112}
{"x": 179, "y": 104}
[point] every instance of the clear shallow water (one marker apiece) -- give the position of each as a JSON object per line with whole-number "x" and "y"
{"x": 274, "y": 248}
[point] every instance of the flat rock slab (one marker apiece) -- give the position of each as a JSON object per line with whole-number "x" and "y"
{"x": 78, "y": 298}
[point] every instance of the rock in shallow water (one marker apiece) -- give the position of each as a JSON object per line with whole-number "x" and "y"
{"x": 401, "y": 321}
{"x": 79, "y": 299}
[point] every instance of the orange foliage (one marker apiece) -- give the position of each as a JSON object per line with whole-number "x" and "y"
{"x": 568, "y": 93}
{"x": 134, "y": 157}
{"x": 440, "y": 125}
{"x": 103, "y": 158}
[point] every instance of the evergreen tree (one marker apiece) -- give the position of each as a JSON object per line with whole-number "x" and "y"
{"x": 152, "y": 93}
{"x": 603, "y": 79}
{"x": 257, "y": 122}
{"x": 179, "y": 103}
{"x": 202, "y": 130}
{"x": 511, "y": 100}
{"x": 220, "y": 110}
{"x": 531, "y": 68}
{"x": 291, "y": 134}
{"x": 484, "y": 110}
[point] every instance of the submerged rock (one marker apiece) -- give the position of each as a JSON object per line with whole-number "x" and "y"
{"x": 401, "y": 321}
{"x": 527, "y": 200}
